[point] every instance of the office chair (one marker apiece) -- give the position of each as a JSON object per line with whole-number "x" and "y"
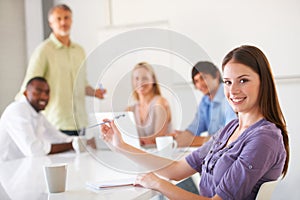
{"x": 266, "y": 189}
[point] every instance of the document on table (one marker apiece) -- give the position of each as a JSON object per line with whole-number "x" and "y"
{"x": 98, "y": 185}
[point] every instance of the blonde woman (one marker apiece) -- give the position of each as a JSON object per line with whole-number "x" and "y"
{"x": 151, "y": 110}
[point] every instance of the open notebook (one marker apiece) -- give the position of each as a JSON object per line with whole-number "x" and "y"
{"x": 126, "y": 125}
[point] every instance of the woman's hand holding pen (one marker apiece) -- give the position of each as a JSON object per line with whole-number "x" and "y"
{"x": 111, "y": 135}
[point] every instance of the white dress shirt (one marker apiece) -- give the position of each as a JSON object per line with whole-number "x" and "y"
{"x": 25, "y": 132}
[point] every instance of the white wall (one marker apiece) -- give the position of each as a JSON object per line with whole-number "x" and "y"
{"x": 288, "y": 188}
{"x": 217, "y": 26}
{"x": 12, "y": 51}
{"x": 34, "y": 25}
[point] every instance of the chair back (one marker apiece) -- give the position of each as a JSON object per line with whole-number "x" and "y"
{"x": 3, "y": 194}
{"x": 266, "y": 189}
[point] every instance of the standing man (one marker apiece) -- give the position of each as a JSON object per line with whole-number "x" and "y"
{"x": 61, "y": 62}
{"x": 213, "y": 112}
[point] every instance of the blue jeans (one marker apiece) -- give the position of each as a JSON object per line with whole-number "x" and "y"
{"x": 74, "y": 132}
{"x": 189, "y": 185}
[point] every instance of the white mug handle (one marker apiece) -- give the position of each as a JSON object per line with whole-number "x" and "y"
{"x": 174, "y": 144}
{"x": 78, "y": 144}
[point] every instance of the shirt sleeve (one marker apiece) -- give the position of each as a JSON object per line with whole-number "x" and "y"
{"x": 53, "y": 135}
{"x": 198, "y": 124}
{"x": 259, "y": 154}
{"x": 196, "y": 158}
{"x": 22, "y": 131}
{"x": 85, "y": 72}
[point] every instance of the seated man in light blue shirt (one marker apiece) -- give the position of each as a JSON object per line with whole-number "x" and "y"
{"x": 213, "y": 112}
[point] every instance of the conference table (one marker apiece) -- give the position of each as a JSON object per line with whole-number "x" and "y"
{"x": 24, "y": 178}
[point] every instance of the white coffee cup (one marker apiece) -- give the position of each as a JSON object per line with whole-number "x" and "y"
{"x": 165, "y": 145}
{"x": 79, "y": 144}
{"x": 56, "y": 176}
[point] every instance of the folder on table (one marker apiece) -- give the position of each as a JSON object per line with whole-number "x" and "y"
{"x": 111, "y": 184}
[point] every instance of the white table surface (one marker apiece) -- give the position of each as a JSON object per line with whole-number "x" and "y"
{"x": 24, "y": 178}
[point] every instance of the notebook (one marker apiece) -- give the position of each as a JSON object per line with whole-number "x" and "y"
{"x": 111, "y": 184}
{"x": 126, "y": 125}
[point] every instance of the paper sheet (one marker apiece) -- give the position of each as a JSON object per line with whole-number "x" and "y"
{"x": 111, "y": 184}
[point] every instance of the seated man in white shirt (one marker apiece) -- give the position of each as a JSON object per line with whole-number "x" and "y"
{"x": 24, "y": 131}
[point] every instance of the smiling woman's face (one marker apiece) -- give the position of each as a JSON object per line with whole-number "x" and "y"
{"x": 142, "y": 81}
{"x": 241, "y": 87}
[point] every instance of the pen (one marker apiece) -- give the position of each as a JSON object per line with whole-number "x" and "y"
{"x": 116, "y": 117}
{"x": 101, "y": 86}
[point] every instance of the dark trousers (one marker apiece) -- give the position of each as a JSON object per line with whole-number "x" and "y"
{"x": 74, "y": 132}
{"x": 189, "y": 185}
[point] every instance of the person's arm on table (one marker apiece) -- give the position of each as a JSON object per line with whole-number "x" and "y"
{"x": 58, "y": 148}
{"x": 162, "y": 166}
{"x": 190, "y": 136}
{"x": 168, "y": 189}
{"x": 170, "y": 169}
{"x": 186, "y": 138}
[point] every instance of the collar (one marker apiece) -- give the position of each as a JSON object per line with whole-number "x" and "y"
{"x": 220, "y": 94}
{"x": 218, "y": 97}
{"x": 32, "y": 110}
{"x": 58, "y": 44}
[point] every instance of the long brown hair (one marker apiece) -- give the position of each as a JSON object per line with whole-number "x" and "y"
{"x": 148, "y": 67}
{"x": 268, "y": 99}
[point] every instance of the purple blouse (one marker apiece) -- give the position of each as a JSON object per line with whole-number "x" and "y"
{"x": 238, "y": 170}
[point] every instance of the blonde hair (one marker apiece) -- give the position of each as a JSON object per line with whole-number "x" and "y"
{"x": 149, "y": 68}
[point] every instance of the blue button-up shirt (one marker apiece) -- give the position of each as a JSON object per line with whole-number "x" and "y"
{"x": 212, "y": 115}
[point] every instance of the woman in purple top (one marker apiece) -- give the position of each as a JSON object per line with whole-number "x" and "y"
{"x": 249, "y": 151}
